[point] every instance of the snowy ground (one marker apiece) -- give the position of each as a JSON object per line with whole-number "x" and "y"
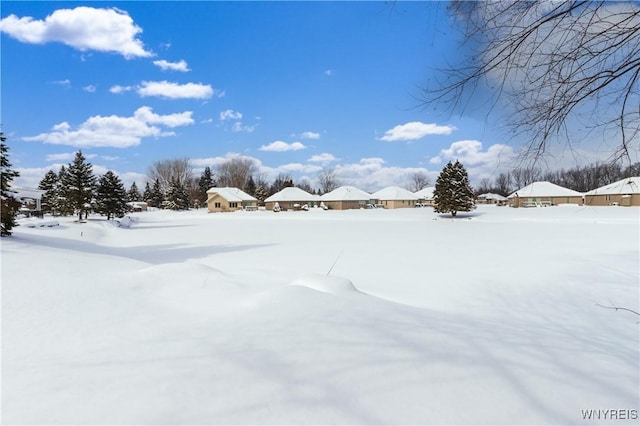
{"x": 196, "y": 318}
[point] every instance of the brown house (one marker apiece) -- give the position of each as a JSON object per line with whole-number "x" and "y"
{"x": 625, "y": 192}
{"x": 345, "y": 198}
{"x": 292, "y": 198}
{"x": 229, "y": 200}
{"x": 394, "y": 197}
{"x": 542, "y": 194}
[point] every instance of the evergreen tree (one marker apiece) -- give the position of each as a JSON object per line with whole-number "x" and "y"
{"x": 453, "y": 193}
{"x": 49, "y": 184}
{"x": 177, "y": 196}
{"x": 157, "y": 195}
{"x": 79, "y": 185}
{"x": 146, "y": 195}
{"x": 9, "y": 205}
{"x": 133, "y": 194}
{"x": 205, "y": 183}
{"x": 61, "y": 205}
{"x": 111, "y": 197}
{"x": 250, "y": 187}
{"x": 261, "y": 194}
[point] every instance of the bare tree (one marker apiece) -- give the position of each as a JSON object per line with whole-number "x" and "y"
{"x": 551, "y": 62}
{"x": 328, "y": 180}
{"x": 235, "y": 172}
{"x": 178, "y": 169}
{"x": 418, "y": 181}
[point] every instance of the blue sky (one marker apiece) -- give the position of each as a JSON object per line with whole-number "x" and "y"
{"x": 297, "y": 86}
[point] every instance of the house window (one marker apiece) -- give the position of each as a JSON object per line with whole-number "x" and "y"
{"x": 216, "y": 205}
{"x": 233, "y": 205}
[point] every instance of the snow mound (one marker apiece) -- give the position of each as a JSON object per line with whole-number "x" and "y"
{"x": 195, "y": 288}
{"x": 126, "y": 222}
{"x": 327, "y": 284}
{"x": 39, "y": 223}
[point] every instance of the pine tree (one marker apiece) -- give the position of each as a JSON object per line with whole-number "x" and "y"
{"x": 453, "y": 193}
{"x": 146, "y": 195}
{"x": 250, "y": 187}
{"x": 9, "y": 205}
{"x": 261, "y": 194}
{"x": 205, "y": 183}
{"x": 111, "y": 197}
{"x": 61, "y": 205}
{"x": 157, "y": 195}
{"x": 79, "y": 184}
{"x": 49, "y": 184}
{"x": 177, "y": 196}
{"x": 133, "y": 194}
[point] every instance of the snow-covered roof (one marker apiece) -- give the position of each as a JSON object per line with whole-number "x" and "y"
{"x": 292, "y": 193}
{"x": 28, "y": 193}
{"x": 426, "y": 193}
{"x": 629, "y": 185}
{"x": 545, "y": 189}
{"x": 231, "y": 194}
{"x": 492, "y": 196}
{"x": 394, "y": 193}
{"x": 346, "y": 193}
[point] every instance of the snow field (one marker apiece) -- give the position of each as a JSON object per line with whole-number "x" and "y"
{"x": 195, "y": 318}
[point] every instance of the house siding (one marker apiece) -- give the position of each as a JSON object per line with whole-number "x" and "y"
{"x": 609, "y": 199}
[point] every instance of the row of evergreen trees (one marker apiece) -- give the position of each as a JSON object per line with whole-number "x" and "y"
{"x": 76, "y": 190}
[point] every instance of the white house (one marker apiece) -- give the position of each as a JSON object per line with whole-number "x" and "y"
{"x": 625, "y": 192}
{"x": 394, "y": 197}
{"x": 425, "y": 195}
{"x": 292, "y": 198}
{"x": 229, "y": 199}
{"x": 346, "y": 197}
{"x": 539, "y": 194}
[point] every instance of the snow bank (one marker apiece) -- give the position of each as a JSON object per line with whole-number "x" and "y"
{"x": 327, "y": 284}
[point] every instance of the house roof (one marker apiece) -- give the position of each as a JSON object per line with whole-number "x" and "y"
{"x": 545, "y": 189}
{"x": 346, "y": 193}
{"x": 231, "y": 194}
{"x": 394, "y": 193}
{"x": 629, "y": 185}
{"x": 292, "y": 194}
{"x": 28, "y": 193}
{"x": 426, "y": 193}
{"x": 492, "y": 196}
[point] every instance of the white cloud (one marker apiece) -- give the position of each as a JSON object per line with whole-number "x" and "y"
{"x": 415, "y": 130}
{"x": 64, "y": 83}
{"x": 180, "y": 66}
{"x": 479, "y": 163}
{"x": 239, "y": 127}
{"x": 67, "y": 156}
{"x": 165, "y": 89}
{"x": 436, "y": 160}
{"x": 230, "y": 114}
{"x": 90, "y": 88}
{"x": 280, "y": 146}
{"x": 114, "y": 131}
{"x": 372, "y": 174}
{"x": 120, "y": 89}
{"x": 324, "y": 158}
{"x": 299, "y": 168}
{"x": 310, "y": 135}
{"x": 83, "y": 28}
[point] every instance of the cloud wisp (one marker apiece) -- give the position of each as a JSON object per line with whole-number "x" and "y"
{"x": 180, "y": 66}
{"x": 415, "y": 130}
{"x": 280, "y": 146}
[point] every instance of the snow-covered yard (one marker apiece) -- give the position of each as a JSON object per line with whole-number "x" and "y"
{"x": 196, "y": 318}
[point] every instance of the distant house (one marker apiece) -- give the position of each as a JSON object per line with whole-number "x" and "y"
{"x": 625, "y": 192}
{"x": 137, "y": 206}
{"x": 491, "y": 198}
{"x": 539, "y": 194}
{"x": 229, "y": 200}
{"x": 346, "y": 197}
{"x": 30, "y": 201}
{"x": 425, "y": 195}
{"x": 292, "y": 198}
{"x": 394, "y": 197}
